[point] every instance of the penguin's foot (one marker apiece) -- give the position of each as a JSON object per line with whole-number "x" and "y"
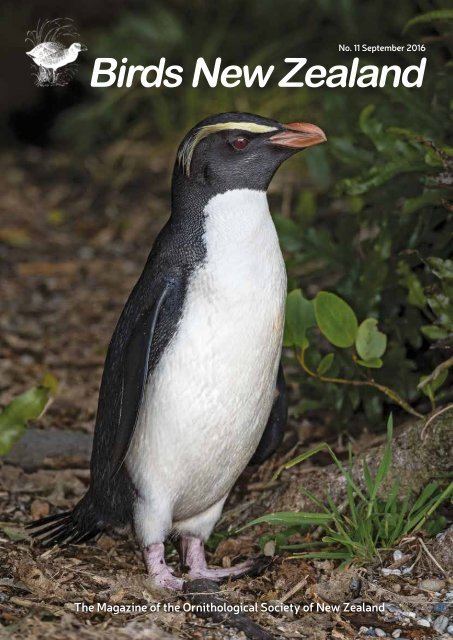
{"x": 159, "y": 572}
{"x": 191, "y": 551}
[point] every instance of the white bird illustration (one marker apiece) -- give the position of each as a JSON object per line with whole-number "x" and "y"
{"x": 53, "y": 55}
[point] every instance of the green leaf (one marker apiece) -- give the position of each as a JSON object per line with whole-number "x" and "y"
{"x": 431, "y": 388}
{"x": 20, "y": 410}
{"x": 409, "y": 280}
{"x": 290, "y": 518}
{"x": 325, "y": 364}
{"x": 433, "y": 332}
{"x": 325, "y": 555}
{"x": 429, "y": 16}
{"x": 370, "y": 342}
{"x": 299, "y": 316}
{"x": 14, "y": 534}
{"x": 372, "y": 363}
{"x": 443, "y": 269}
{"x": 335, "y": 318}
{"x": 429, "y": 197}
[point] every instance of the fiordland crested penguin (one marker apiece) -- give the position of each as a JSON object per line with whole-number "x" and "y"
{"x": 193, "y": 388}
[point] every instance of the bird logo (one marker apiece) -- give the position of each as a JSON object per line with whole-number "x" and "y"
{"x": 55, "y": 61}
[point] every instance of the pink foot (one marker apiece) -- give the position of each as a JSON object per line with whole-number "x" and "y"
{"x": 160, "y": 574}
{"x": 191, "y": 551}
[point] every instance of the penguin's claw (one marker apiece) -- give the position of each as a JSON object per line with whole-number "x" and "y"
{"x": 159, "y": 572}
{"x": 238, "y": 570}
{"x": 191, "y": 550}
{"x": 167, "y": 581}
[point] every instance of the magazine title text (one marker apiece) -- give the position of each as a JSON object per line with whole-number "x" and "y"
{"x": 109, "y": 72}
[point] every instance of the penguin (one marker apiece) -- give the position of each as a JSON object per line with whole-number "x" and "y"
{"x": 193, "y": 388}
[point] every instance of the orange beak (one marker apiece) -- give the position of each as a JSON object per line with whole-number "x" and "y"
{"x": 299, "y": 135}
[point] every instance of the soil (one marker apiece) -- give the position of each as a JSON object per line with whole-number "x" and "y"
{"x": 71, "y": 251}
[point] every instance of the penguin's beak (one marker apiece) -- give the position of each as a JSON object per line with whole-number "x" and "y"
{"x": 298, "y": 135}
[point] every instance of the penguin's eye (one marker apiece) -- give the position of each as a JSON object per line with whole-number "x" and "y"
{"x": 240, "y": 143}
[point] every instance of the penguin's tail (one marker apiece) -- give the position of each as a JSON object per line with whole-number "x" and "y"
{"x": 68, "y": 527}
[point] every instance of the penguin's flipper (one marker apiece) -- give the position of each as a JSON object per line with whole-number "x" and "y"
{"x": 275, "y": 428}
{"x": 134, "y": 376}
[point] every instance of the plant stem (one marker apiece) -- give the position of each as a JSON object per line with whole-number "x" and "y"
{"x": 360, "y": 383}
{"x": 432, "y": 376}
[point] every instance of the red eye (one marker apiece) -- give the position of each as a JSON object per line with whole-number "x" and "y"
{"x": 240, "y": 143}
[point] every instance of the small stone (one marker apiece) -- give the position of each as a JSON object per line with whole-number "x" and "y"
{"x": 432, "y": 584}
{"x": 396, "y": 633}
{"x": 440, "y": 624}
{"x": 269, "y": 548}
{"x": 391, "y": 572}
{"x": 380, "y": 632}
{"x": 355, "y": 586}
{"x": 423, "y": 622}
{"x": 450, "y": 629}
{"x": 396, "y": 587}
{"x": 408, "y": 614}
{"x": 370, "y": 632}
{"x": 363, "y": 629}
{"x": 440, "y": 607}
{"x": 397, "y": 555}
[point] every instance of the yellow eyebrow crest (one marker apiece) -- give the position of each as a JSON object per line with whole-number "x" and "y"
{"x": 186, "y": 153}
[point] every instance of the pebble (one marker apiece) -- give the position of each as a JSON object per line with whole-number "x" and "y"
{"x": 391, "y": 572}
{"x": 450, "y": 629}
{"x": 397, "y": 555}
{"x": 370, "y": 632}
{"x": 380, "y": 632}
{"x": 363, "y": 629}
{"x": 440, "y": 607}
{"x": 423, "y": 622}
{"x": 440, "y": 624}
{"x": 432, "y": 584}
{"x": 355, "y": 586}
{"x": 408, "y": 614}
{"x": 396, "y": 633}
{"x": 269, "y": 548}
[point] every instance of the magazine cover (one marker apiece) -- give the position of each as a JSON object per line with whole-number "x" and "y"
{"x": 226, "y": 344}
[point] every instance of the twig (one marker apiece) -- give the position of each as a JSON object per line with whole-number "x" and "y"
{"x": 429, "y": 554}
{"x": 431, "y": 418}
{"x": 361, "y": 383}
{"x": 433, "y": 375}
{"x": 295, "y": 589}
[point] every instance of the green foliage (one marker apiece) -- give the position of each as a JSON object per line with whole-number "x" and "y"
{"x": 368, "y": 523}
{"x": 430, "y": 16}
{"x": 300, "y": 317}
{"x": 28, "y": 406}
{"x": 335, "y": 318}
{"x": 387, "y": 251}
{"x": 370, "y": 343}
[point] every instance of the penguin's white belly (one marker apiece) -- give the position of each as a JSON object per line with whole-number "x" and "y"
{"x": 208, "y": 400}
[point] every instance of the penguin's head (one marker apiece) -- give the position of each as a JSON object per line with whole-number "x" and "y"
{"x": 240, "y": 150}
